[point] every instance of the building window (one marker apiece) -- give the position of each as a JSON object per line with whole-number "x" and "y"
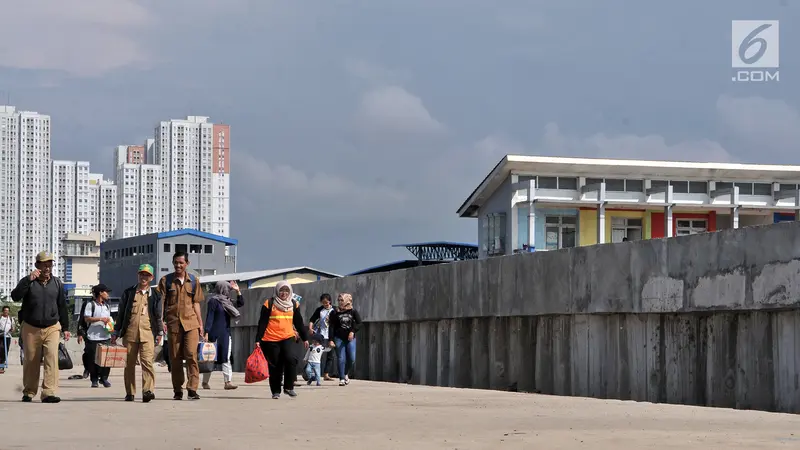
{"x": 698, "y": 187}
{"x": 679, "y": 187}
{"x": 614, "y": 185}
{"x": 657, "y": 184}
{"x": 496, "y": 233}
{"x": 195, "y": 248}
{"x": 762, "y": 189}
{"x": 183, "y": 248}
{"x": 167, "y": 248}
{"x": 547, "y": 183}
{"x": 560, "y": 232}
{"x": 208, "y": 249}
{"x": 568, "y": 183}
{"x": 625, "y": 229}
{"x": 722, "y": 185}
{"x": 164, "y": 269}
{"x": 788, "y": 187}
{"x": 745, "y": 188}
{"x": 685, "y": 227}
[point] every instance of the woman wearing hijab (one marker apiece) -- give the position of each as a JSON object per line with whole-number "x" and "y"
{"x": 344, "y": 324}
{"x": 279, "y": 326}
{"x": 221, "y": 310}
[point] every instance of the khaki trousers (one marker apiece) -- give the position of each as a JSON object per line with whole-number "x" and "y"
{"x": 39, "y": 343}
{"x": 183, "y": 345}
{"x": 144, "y": 351}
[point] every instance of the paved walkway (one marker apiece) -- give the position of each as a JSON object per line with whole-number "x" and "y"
{"x": 369, "y": 415}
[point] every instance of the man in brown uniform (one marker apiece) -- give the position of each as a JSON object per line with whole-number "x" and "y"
{"x": 139, "y": 324}
{"x": 182, "y": 296}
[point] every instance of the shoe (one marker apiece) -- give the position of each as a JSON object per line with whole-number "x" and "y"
{"x": 193, "y": 395}
{"x": 51, "y": 399}
{"x": 85, "y": 374}
{"x": 106, "y": 383}
{"x": 95, "y": 384}
{"x": 230, "y": 386}
{"x": 27, "y": 399}
{"x": 178, "y": 395}
{"x": 327, "y": 378}
{"x": 206, "y": 386}
{"x": 319, "y": 384}
{"x": 342, "y": 382}
{"x": 276, "y": 396}
{"x": 346, "y": 379}
{"x": 308, "y": 383}
{"x": 128, "y": 398}
{"x": 290, "y": 392}
{"x": 147, "y": 396}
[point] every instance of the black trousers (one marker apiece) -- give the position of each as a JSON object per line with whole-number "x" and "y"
{"x": 5, "y": 346}
{"x": 328, "y": 362}
{"x": 282, "y": 362}
{"x": 96, "y": 373}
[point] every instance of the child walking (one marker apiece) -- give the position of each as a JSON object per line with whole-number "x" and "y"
{"x": 314, "y": 356}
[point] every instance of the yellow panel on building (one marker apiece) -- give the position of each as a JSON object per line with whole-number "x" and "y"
{"x": 292, "y": 278}
{"x": 588, "y": 224}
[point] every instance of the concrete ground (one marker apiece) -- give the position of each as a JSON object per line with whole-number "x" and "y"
{"x": 368, "y": 415}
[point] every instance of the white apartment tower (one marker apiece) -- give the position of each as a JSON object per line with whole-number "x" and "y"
{"x": 71, "y": 205}
{"x": 25, "y": 180}
{"x": 194, "y": 155}
{"x": 107, "y": 209}
{"x": 139, "y": 200}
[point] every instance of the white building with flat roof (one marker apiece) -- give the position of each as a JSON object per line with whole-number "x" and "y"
{"x": 139, "y": 200}
{"x": 71, "y": 205}
{"x": 535, "y": 203}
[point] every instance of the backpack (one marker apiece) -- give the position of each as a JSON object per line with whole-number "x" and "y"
{"x": 82, "y": 325}
{"x": 170, "y": 277}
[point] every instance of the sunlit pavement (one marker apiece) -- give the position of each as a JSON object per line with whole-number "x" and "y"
{"x": 366, "y": 415}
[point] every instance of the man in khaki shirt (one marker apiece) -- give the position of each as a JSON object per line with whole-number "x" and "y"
{"x": 182, "y": 296}
{"x": 140, "y": 310}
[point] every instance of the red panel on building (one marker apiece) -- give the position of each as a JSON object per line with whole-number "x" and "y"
{"x": 221, "y": 150}
{"x": 657, "y": 222}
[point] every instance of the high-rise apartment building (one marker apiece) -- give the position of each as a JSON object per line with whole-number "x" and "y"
{"x": 138, "y": 200}
{"x": 71, "y": 205}
{"x": 129, "y": 154}
{"x": 25, "y": 190}
{"x": 194, "y": 155}
{"x": 107, "y": 209}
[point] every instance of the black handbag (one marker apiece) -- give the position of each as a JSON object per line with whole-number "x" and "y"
{"x": 64, "y": 360}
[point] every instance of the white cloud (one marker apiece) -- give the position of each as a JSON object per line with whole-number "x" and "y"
{"x": 83, "y": 38}
{"x": 652, "y": 146}
{"x": 772, "y": 127}
{"x": 314, "y": 195}
{"x": 393, "y": 110}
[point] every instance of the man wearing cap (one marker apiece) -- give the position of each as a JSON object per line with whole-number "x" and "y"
{"x": 140, "y": 328}
{"x": 97, "y": 316}
{"x": 45, "y": 316}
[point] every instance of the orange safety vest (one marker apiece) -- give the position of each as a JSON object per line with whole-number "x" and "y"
{"x": 280, "y": 326}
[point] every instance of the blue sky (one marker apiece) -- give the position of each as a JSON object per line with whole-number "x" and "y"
{"x": 361, "y": 124}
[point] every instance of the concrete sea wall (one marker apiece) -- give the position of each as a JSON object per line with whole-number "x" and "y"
{"x": 709, "y": 319}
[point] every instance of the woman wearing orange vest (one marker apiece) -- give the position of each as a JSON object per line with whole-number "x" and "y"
{"x": 279, "y": 325}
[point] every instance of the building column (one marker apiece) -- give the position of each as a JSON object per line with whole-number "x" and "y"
{"x": 735, "y": 207}
{"x": 668, "y": 212}
{"x": 531, "y": 217}
{"x": 797, "y": 205}
{"x": 601, "y": 213}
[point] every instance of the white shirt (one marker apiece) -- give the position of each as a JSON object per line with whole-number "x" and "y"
{"x": 5, "y": 324}
{"x": 97, "y": 330}
{"x": 315, "y": 353}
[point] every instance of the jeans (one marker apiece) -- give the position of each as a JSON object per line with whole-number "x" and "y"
{"x": 227, "y": 368}
{"x": 313, "y": 372}
{"x": 346, "y": 351}
{"x": 5, "y": 346}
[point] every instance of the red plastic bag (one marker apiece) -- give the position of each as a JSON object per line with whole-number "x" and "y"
{"x": 256, "y": 367}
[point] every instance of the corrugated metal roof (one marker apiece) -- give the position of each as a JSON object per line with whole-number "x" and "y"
{"x": 198, "y": 233}
{"x": 258, "y": 274}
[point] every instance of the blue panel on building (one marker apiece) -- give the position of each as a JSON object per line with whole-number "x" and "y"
{"x": 782, "y": 217}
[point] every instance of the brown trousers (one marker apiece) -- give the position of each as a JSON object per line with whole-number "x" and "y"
{"x": 144, "y": 352}
{"x": 40, "y": 342}
{"x": 183, "y": 345}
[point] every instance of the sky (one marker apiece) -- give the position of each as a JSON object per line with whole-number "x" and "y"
{"x": 356, "y": 125}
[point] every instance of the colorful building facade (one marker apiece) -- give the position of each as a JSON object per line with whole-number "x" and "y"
{"x": 531, "y": 203}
